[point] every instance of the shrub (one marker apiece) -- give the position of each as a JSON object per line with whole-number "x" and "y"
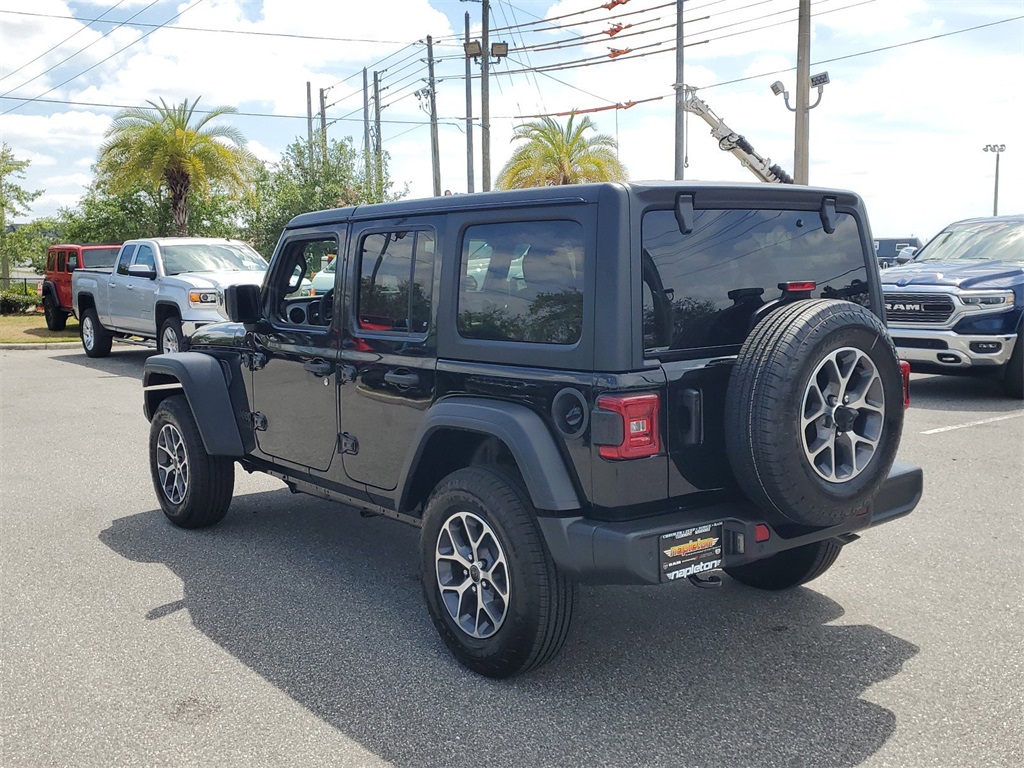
{"x": 15, "y": 302}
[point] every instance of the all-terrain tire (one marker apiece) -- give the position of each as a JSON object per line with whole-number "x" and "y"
{"x": 194, "y": 488}
{"x": 493, "y": 592}
{"x": 170, "y": 337}
{"x": 96, "y": 340}
{"x": 790, "y": 568}
{"x": 1013, "y": 376}
{"x": 827, "y": 359}
{"x": 56, "y": 320}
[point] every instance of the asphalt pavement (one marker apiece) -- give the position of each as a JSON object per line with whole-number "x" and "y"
{"x": 294, "y": 633}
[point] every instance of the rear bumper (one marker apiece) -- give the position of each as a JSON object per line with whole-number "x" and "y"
{"x": 627, "y": 552}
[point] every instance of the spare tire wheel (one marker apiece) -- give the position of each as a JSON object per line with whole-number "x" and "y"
{"x": 814, "y": 411}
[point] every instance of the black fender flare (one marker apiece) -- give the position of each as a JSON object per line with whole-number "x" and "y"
{"x": 521, "y": 429}
{"x": 204, "y": 382}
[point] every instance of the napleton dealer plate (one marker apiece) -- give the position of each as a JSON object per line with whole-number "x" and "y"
{"x": 690, "y": 551}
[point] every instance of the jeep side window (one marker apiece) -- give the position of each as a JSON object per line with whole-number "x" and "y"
{"x": 396, "y": 273}
{"x": 61, "y": 256}
{"x": 522, "y": 281}
{"x": 289, "y": 292}
{"x": 706, "y": 289}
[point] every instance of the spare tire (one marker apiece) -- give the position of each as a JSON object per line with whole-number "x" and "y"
{"x": 814, "y": 411}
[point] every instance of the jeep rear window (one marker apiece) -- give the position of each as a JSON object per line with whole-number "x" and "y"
{"x": 706, "y": 289}
{"x": 99, "y": 258}
{"x": 522, "y": 281}
{"x": 396, "y": 276}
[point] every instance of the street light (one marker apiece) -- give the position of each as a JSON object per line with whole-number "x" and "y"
{"x": 818, "y": 81}
{"x": 997, "y": 149}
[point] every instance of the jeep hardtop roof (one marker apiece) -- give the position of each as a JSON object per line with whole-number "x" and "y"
{"x": 706, "y": 193}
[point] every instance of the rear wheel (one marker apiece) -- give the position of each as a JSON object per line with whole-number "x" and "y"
{"x": 171, "y": 339}
{"x": 194, "y": 488}
{"x": 493, "y": 592}
{"x": 788, "y": 569}
{"x": 96, "y": 340}
{"x": 56, "y": 320}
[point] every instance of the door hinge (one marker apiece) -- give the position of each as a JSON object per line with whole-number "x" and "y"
{"x": 259, "y": 421}
{"x": 254, "y": 361}
{"x": 347, "y": 444}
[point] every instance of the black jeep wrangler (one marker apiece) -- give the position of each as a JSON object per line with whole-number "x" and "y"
{"x": 611, "y": 383}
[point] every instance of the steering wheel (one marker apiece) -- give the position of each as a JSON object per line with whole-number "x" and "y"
{"x": 326, "y": 307}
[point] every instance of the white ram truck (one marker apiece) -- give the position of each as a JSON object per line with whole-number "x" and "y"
{"x": 161, "y": 289}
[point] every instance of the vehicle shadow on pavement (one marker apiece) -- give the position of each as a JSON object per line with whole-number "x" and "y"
{"x": 327, "y": 607}
{"x": 123, "y": 361}
{"x": 960, "y": 393}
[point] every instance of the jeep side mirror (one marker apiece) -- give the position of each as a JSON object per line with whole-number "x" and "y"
{"x": 142, "y": 270}
{"x": 242, "y": 303}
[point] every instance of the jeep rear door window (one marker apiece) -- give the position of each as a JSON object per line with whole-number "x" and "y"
{"x": 522, "y": 281}
{"x": 706, "y": 289}
{"x": 396, "y": 275}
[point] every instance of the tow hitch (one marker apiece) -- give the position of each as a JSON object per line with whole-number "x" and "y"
{"x": 708, "y": 582}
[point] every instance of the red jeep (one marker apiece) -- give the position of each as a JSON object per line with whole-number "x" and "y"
{"x": 54, "y": 289}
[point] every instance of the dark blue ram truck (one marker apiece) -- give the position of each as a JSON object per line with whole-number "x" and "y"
{"x": 958, "y": 307}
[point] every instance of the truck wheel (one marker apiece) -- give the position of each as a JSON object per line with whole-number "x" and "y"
{"x": 1013, "y": 377}
{"x": 814, "y": 411}
{"x": 170, "y": 338}
{"x": 193, "y": 487}
{"x": 96, "y": 340}
{"x": 788, "y": 569}
{"x": 493, "y": 592}
{"x": 56, "y": 320}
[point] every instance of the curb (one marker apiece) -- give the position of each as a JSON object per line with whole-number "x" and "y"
{"x": 43, "y": 345}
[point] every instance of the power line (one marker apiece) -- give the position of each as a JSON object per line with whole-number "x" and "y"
{"x": 58, "y": 45}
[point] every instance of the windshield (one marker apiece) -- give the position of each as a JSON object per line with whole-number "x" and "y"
{"x": 211, "y": 257}
{"x": 977, "y": 241}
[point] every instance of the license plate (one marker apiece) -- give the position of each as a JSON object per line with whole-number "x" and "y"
{"x": 690, "y": 552}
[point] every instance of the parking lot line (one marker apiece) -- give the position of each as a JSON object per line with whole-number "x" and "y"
{"x": 972, "y": 423}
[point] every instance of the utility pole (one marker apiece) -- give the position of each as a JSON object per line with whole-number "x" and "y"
{"x": 485, "y": 107}
{"x": 378, "y": 171}
{"x": 997, "y": 149}
{"x": 309, "y": 115}
{"x": 323, "y": 122}
{"x": 469, "y": 117}
{"x": 435, "y": 152}
{"x": 680, "y": 94}
{"x": 366, "y": 129}
{"x": 801, "y": 149}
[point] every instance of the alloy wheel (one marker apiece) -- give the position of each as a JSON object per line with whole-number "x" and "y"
{"x": 472, "y": 574}
{"x": 172, "y": 464}
{"x": 842, "y": 415}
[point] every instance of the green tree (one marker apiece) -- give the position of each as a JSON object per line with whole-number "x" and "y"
{"x": 326, "y": 175}
{"x": 164, "y": 149}
{"x": 554, "y": 155}
{"x": 31, "y": 240}
{"x": 14, "y": 201}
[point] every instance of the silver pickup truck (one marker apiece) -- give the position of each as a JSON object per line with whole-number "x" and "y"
{"x": 162, "y": 289}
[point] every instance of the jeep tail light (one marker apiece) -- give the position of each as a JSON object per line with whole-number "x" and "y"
{"x": 905, "y": 370}
{"x": 639, "y": 414}
{"x": 762, "y": 533}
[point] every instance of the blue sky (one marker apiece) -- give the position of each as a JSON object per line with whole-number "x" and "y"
{"x": 918, "y": 87}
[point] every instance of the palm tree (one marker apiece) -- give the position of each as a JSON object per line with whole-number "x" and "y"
{"x": 163, "y": 147}
{"x": 554, "y": 155}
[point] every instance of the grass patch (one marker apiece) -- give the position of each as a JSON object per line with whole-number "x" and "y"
{"x": 30, "y": 328}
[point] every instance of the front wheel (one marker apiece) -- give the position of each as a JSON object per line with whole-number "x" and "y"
{"x": 493, "y": 592}
{"x": 96, "y": 340}
{"x": 788, "y": 569}
{"x": 194, "y": 488}
{"x": 171, "y": 338}
{"x": 56, "y": 320}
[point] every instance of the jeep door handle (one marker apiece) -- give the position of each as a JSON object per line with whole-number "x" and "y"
{"x": 402, "y": 379}
{"x": 318, "y": 367}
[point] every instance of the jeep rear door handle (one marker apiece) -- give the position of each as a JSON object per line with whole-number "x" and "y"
{"x": 402, "y": 379}
{"x": 318, "y": 367}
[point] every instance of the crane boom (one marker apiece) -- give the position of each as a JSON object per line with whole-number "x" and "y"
{"x": 730, "y": 141}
